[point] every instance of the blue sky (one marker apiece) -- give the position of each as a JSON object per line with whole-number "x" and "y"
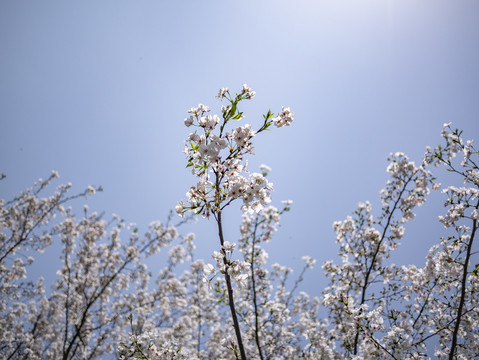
{"x": 98, "y": 91}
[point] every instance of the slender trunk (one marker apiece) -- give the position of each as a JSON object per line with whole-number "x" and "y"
{"x": 256, "y": 330}
{"x": 230, "y": 292}
{"x": 198, "y": 346}
{"x": 463, "y": 290}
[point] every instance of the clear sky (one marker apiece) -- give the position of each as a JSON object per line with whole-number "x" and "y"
{"x": 98, "y": 91}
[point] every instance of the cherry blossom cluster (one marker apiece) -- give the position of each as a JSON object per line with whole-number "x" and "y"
{"x": 216, "y": 156}
{"x": 146, "y": 346}
{"x": 237, "y": 269}
{"x": 101, "y": 278}
{"x": 379, "y": 310}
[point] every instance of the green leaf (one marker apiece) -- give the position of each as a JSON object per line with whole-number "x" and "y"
{"x": 232, "y": 110}
{"x": 237, "y": 117}
{"x": 268, "y": 115}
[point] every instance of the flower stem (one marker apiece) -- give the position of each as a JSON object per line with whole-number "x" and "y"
{"x": 463, "y": 290}
{"x": 230, "y": 292}
{"x": 256, "y": 328}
